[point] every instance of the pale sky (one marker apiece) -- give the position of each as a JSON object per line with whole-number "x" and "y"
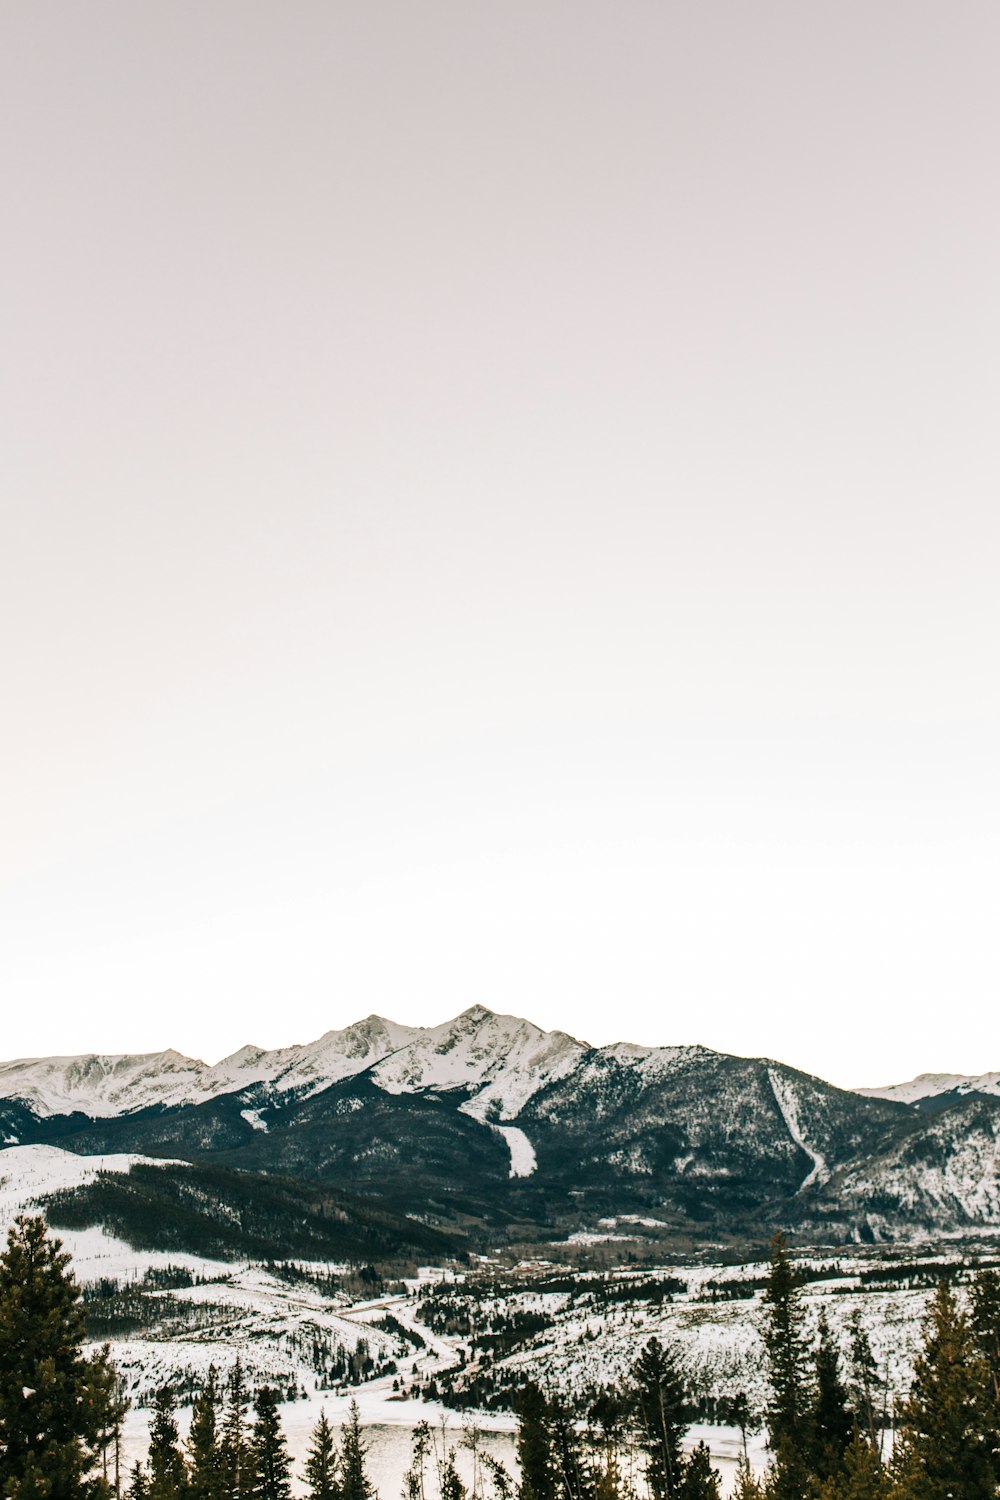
{"x": 500, "y": 504}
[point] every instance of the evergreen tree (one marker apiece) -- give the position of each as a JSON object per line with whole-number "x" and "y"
{"x": 503, "y": 1485}
{"x": 354, "y": 1481}
{"x": 268, "y": 1451}
{"x": 53, "y": 1400}
{"x": 609, "y": 1413}
{"x": 415, "y": 1477}
{"x": 138, "y": 1486}
{"x": 111, "y": 1404}
{"x": 166, "y": 1466}
{"x": 573, "y": 1480}
{"x": 237, "y": 1472}
{"x": 789, "y": 1430}
{"x": 861, "y": 1475}
{"x": 985, "y": 1319}
{"x": 737, "y": 1411}
{"x": 699, "y": 1481}
{"x": 535, "y": 1454}
{"x": 607, "y": 1483}
{"x": 450, "y": 1486}
{"x": 205, "y": 1478}
{"x": 320, "y": 1472}
{"x": 658, "y": 1394}
{"x": 120, "y": 1406}
{"x": 944, "y": 1451}
{"x": 831, "y": 1422}
{"x": 868, "y": 1399}
{"x": 746, "y": 1485}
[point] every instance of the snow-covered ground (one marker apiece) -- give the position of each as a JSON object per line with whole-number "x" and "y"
{"x": 29, "y": 1174}
{"x": 929, "y": 1085}
{"x": 522, "y": 1153}
{"x": 285, "y": 1331}
{"x": 784, "y": 1095}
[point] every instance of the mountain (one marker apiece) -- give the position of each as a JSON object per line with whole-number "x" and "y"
{"x": 498, "y": 1060}
{"x": 941, "y": 1175}
{"x": 493, "y": 1128}
{"x": 930, "y": 1092}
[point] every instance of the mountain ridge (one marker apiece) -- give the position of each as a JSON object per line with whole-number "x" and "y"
{"x": 487, "y": 1118}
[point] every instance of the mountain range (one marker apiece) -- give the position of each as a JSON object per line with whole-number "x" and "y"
{"x": 490, "y": 1126}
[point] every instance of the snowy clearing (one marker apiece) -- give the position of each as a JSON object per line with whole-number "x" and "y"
{"x": 522, "y": 1153}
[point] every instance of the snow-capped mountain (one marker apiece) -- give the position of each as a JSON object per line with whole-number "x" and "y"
{"x": 499, "y": 1060}
{"x": 488, "y": 1120}
{"x": 99, "y": 1085}
{"x": 927, "y": 1088}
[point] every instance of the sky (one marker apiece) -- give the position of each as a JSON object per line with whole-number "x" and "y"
{"x": 500, "y": 505}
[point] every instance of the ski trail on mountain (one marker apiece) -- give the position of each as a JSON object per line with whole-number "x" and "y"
{"x": 786, "y": 1102}
{"x": 523, "y": 1160}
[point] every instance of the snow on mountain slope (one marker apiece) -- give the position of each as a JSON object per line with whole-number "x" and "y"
{"x": 784, "y": 1096}
{"x": 31, "y": 1174}
{"x": 100, "y": 1085}
{"x": 523, "y": 1160}
{"x": 944, "y": 1173}
{"x": 338, "y": 1054}
{"x": 500, "y": 1060}
{"x": 930, "y": 1085}
{"x": 655, "y": 1062}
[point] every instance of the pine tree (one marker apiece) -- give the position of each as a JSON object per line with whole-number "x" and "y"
{"x": 607, "y": 1483}
{"x": 205, "y": 1478}
{"x": 985, "y": 1319}
{"x": 138, "y": 1486}
{"x": 699, "y": 1481}
{"x": 574, "y": 1481}
{"x": 789, "y": 1430}
{"x": 354, "y": 1481}
{"x": 53, "y": 1400}
{"x": 868, "y": 1399}
{"x": 746, "y": 1485}
{"x": 831, "y": 1422}
{"x": 414, "y": 1479}
{"x": 861, "y": 1475}
{"x": 320, "y": 1472}
{"x": 944, "y": 1451}
{"x": 166, "y": 1466}
{"x": 268, "y": 1450}
{"x": 120, "y": 1406}
{"x": 609, "y": 1413}
{"x": 503, "y": 1485}
{"x": 658, "y": 1393}
{"x": 534, "y": 1446}
{"x": 111, "y": 1404}
{"x": 450, "y": 1486}
{"x": 237, "y": 1473}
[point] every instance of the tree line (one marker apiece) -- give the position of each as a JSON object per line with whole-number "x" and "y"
{"x": 61, "y": 1413}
